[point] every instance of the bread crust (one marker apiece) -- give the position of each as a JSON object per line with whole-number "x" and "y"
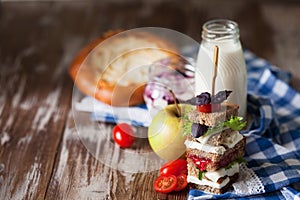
{"x": 216, "y": 139}
{"x": 222, "y": 190}
{"x": 212, "y": 119}
{"x": 98, "y": 70}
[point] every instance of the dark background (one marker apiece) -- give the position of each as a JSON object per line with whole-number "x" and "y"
{"x": 269, "y": 28}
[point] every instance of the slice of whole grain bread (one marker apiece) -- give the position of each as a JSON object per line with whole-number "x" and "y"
{"x": 212, "y": 119}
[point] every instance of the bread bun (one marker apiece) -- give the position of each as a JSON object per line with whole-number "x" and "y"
{"x": 115, "y": 69}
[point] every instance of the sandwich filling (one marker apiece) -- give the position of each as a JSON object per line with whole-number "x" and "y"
{"x": 216, "y": 179}
{"x": 201, "y": 145}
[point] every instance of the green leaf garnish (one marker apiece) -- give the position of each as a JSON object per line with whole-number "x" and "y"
{"x": 235, "y": 123}
{"x": 186, "y": 123}
{"x": 201, "y": 174}
{"x": 238, "y": 160}
{"x": 187, "y": 127}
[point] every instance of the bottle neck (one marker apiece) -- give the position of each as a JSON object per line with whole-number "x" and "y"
{"x": 220, "y": 30}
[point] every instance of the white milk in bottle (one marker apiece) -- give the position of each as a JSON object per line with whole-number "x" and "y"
{"x": 231, "y": 73}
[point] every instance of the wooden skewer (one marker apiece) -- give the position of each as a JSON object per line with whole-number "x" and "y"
{"x": 216, "y": 57}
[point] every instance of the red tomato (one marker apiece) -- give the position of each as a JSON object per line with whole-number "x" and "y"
{"x": 123, "y": 135}
{"x": 165, "y": 184}
{"x": 208, "y": 108}
{"x": 181, "y": 182}
{"x": 201, "y": 163}
{"x": 174, "y": 167}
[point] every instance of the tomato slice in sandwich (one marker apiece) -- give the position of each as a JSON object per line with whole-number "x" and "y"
{"x": 209, "y": 108}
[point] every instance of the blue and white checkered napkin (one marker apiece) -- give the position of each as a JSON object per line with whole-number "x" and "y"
{"x": 273, "y": 139}
{"x": 136, "y": 115}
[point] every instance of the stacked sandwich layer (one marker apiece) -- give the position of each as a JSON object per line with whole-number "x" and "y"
{"x": 213, "y": 158}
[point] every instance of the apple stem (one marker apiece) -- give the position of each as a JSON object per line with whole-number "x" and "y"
{"x": 175, "y": 101}
{"x": 216, "y": 55}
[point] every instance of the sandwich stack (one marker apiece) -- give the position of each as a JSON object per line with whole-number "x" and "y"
{"x": 215, "y": 148}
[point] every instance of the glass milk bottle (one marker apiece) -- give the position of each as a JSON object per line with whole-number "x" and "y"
{"x": 231, "y": 74}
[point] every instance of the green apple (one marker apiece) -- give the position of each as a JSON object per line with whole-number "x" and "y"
{"x": 165, "y": 132}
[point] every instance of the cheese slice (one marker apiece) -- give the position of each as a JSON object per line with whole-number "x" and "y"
{"x": 216, "y": 175}
{"x": 211, "y": 178}
{"x": 202, "y": 145}
{"x": 193, "y": 179}
{"x": 234, "y": 138}
{"x": 205, "y": 147}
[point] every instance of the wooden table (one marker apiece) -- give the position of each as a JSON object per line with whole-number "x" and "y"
{"x": 41, "y": 154}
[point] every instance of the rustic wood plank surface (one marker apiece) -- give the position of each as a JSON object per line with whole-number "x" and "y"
{"x": 41, "y": 154}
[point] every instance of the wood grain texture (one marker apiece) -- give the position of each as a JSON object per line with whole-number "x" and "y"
{"x": 42, "y": 154}
{"x": 79, "y": 174}
{"x": 32, "y": 119}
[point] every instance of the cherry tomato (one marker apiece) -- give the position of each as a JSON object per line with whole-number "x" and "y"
{"x": 123, "y": 135}
{"x": 174, "y": 167}
{"x": 181, "y": 182}
{"x": 165, "y": 184}
{"x": 208, "y": 108}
